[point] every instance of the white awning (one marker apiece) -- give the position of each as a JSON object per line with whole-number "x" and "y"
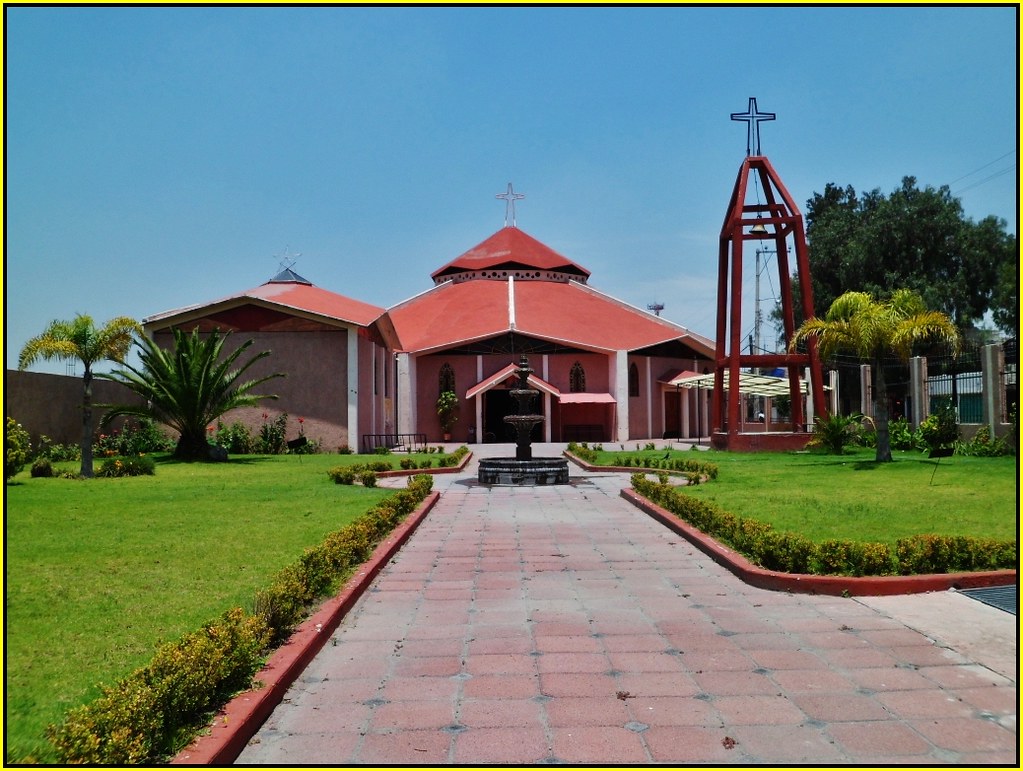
{"x": 586, "y": 398}
{"x": 749, "y": 383}
{"x": 499, "y": 377}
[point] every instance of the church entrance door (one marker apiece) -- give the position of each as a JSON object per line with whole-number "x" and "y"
{"x": 497, "y": 403}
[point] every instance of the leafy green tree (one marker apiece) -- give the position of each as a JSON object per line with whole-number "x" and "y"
{"x": 80, "y": 340}
{"x": 1005, "y": 303}
{"x": 872, "y": 329}
{"x": 915, "y": 239}
{"x": 190, "y": 387}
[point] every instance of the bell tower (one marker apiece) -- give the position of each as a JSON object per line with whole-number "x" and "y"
{"x": 777, "y": 221}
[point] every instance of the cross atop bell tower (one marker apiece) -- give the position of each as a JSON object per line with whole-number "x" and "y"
{"x": 753, "y": 117}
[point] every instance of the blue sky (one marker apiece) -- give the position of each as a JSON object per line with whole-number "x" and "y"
{"x": 158, "y": 157}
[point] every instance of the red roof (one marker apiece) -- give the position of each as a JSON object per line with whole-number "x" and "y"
{"x": 510, "y": 248}
{"x": 290, "y": 296}
{"x": 566, "y": 312}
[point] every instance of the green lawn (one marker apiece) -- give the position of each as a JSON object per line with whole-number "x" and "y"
{"x": 99, "y": 571}
{"x": 852, "y": 497}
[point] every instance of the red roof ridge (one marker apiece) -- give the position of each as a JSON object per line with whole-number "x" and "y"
{"x": 510, "y": 247}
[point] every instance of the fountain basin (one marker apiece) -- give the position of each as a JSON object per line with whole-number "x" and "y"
{"x": 511, "y": 471}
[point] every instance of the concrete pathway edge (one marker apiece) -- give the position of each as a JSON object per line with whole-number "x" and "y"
{"x": 845, "y": 586}
{"x": 239, "y": 720}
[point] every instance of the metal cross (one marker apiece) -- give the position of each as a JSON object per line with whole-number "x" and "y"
{"x": 288, "y": 261}
{"x": 510, "y": 197}
{"x": 752, "y": 117}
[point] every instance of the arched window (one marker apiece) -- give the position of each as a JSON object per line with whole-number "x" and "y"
{"x": 447, "y": 378}
{"x": 633, "y": 379}
{"x": 577, "y": 378}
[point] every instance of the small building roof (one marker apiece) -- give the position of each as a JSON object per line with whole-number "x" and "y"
{"x": 292, "y": 296}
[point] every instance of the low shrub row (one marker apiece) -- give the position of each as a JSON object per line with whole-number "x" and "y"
{"x": 685, "y": 465}
{"x": 156, "y": 710}
{"x": 794, "y": 553}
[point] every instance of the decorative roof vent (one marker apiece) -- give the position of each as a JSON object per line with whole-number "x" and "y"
{"x": 288, "y": 276}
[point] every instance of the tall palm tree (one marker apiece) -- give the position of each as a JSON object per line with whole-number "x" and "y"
{"x": 871, "y": 329}
{"x": 80, "y": 340}
{"x": 190, "y": 387}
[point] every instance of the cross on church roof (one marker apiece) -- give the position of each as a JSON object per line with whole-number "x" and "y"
{"x": 752, "y": 117}
{"x": 510, "y": 197}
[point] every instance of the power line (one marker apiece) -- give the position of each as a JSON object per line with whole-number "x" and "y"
{"x": 986, "y": 179}
{"x": 991, "y": 163}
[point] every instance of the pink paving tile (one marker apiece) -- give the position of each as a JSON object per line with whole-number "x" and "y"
{"x": 965, "y": 676}
{"x": 412, "y": 715}
{"x": 857, "y": 658}
{"x": 888, "y": 638}
{"x": 499, "y": 713}
{"x": 723, "y": 659}
{"x": 561, "y": 628}
{"x": 756, "y": 641}
{"x": 449, "y": 647}
{"x": 926, "y": 655}
{"x": 644, "y": 661}
{"x": 501, "y": 687}
{"x": 568, "y": 644}
{"x": 436, "y": 632}
{"x": 572, "y": 661}
{"x": 787, "y": 659}
{"x": 405, "y": 748}
{"x": 966, "y": 735}
{"x": 889, "y": 679}
{"x": 922, "y": 704}
{"x": 836, "y": 639}
{"x": 500, "y": 664}
{"x": 758, "y": 710}
{"x": 480, "y": 631}
{"x": 812, "y": 680}
{"x": 330, "y": 749}
{"x": 419, "y": 688}
{"x": 888, "y": 738}
{"x": 572, "y": 684}
{"x": 429, "y": 666}
{"x": 782, "y": 744}
{"x": 648, "y": 643}
{"x": 999, "y": 701}
{"x": 675, "y": 684}
{"x": 672, "y": 710}
{"x": 369, "y": 667}
{"x": 688, "y": 745}
{"x": 602, "y": 745}
{"x": 520, "y": 646}
{"x": 569, "y": 711}
{"x": 735, "y": 683}
{"x": 505, "y": 746}
{"x": 325, "y": 719}
{"x": 838, "y": 707}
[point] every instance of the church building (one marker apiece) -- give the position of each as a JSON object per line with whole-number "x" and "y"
{"x": 358, "y": 374}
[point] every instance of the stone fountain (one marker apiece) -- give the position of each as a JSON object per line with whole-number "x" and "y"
{"x": 523, "y": 469}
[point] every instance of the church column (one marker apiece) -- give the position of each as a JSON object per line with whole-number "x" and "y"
{"x": 478, "y": 406}
{"x": 403, "y": 398}
{"x": 620, "y": 390}
{"x": 649, "y": 401}
{"x": 352, "y": 374}
{"x": 548, "y": 403}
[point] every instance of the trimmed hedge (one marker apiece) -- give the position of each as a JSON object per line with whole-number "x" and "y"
{"x": 156, "y": 710}
{"x": 794, "y": 553}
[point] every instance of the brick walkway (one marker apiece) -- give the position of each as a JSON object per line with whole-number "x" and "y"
{"x": 559, "y": 625}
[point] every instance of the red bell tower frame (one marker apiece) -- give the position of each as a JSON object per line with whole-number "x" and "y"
{"x": 777, "y": 220}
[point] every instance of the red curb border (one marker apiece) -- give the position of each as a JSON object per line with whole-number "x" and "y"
{"x": 238, "y": 722}
{"x": 845, "y": 586}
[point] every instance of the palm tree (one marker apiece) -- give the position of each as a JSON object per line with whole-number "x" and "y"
{"x": 79, "y": 340}
{"x": 190, "y": 387}
{"x": 871, "y": 329}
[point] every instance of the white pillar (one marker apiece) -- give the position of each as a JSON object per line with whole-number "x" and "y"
{"x": 620, "y": 386}
{"x": 403, "y": 397}
{"x": 353, "y": 390}
{"x": 918, "y": 390}
{"x": 866, "y": 400}
{"x": 992, "y": 364}
{"x": 833, "y": 397}
{"x": 649, "y": 401}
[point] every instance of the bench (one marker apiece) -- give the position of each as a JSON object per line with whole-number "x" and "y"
{"x": 400, "y": 442}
